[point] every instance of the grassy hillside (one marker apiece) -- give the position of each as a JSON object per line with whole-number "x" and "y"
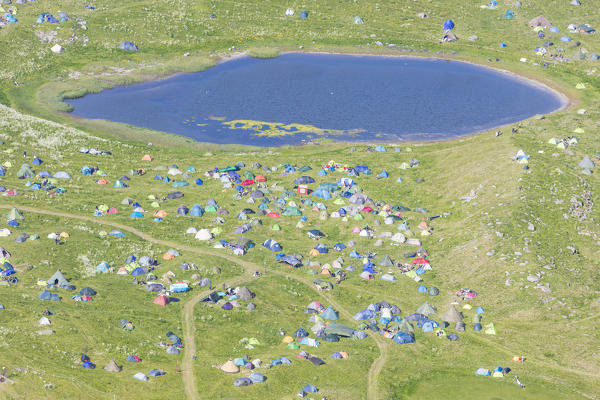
{"x": 525, "y": 239}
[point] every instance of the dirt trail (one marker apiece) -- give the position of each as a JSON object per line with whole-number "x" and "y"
{"x": 187, "y": 312}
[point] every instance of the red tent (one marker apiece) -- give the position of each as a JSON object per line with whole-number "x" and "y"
{"x": 273, "y": 214}
{"x": 367, "y": 209}
{"x": 248, "y": 182}
{"x": 161, "y": 300}
{"x": 420, "y": 260}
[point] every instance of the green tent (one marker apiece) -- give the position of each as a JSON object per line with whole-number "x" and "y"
{"x": 118, "y": 184}
{"x": 178, "y": 184}
{"x": 339, "y": 329}
{"x": 405, "y": 327}
{"x": 386, "y": 261}
{"x": 14, "y": 214}
{"x": 25, "y": 172}
{"x": 290, "y": 211}
{"x": 275, "y": 228}
{"x": 426, "y": 309}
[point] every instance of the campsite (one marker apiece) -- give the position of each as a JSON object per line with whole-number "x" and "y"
{"x": 140, "y": 263}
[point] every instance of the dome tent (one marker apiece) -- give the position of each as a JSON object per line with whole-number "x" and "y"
{"x": 129, "y": 46}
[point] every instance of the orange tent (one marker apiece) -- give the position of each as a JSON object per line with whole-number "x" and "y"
{"x": 160, "y": 214}
{"x": 147, "y": 157}
{"x": 325, "y": 271}
{"x": 168, "y": 256}
{"x": 260, "y": 178}
{"x": 314, "y": 252}
{"x": 161, "y": 300}
{"x": 102, "y": 181}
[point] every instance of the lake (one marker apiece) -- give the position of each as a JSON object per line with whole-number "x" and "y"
{"x": 296, "y": 97}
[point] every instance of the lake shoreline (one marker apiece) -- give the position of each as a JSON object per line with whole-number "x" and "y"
{"x": 487, "y": 103}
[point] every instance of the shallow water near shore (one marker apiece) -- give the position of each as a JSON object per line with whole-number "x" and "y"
{"x": 296, "y": 97}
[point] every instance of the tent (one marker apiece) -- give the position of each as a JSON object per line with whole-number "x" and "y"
{"x": 161, "y": 300}
{"x": 358, "y": 20}
{"x": 452, "y": 315}
{"x": 112, "y": 366}
{"x": 540, "y": 21}
{"x": 46, "y": 295}
{"x": 426, "y": 309}
{"x": 58, "y": 279}
{"x": 230, "y": 367}
{"x": 140, "y": 376}
{"x": 14, "y": 214}
{"x": 129, "y": 46}
{"x": 272, "y": 245}
{"x": 245, "y": 294}
{"x": 448, "y": 25}
{"x": 402, "y": 338}
{"x": 330, "y": 314}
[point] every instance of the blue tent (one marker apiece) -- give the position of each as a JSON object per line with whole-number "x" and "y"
{"x": 402, "y": 338}
{"x": 383, "y": 174}
{"x": 182, "y": 210}
{"x": 303, "y": 180}
{"x": 369, "y": 267}
{"x": 364, "y": 314}
{"x": 196, "y": 211}
{"x": 138, "y": 271}
{"x": 300, "y": 333}
{"x": 322, "y": 248}
{"x": 422, "y": 289}
{"x": 88, "y": 364}
{"x": 156, "y": 372}
{"x": 242, "y": 382}
{"x": 199, "y": 182}
{"x": 303, "y": 14}
{"x": 157, "y": 177}
{"x": 380, "y": 149}
{"x": 129, "y": 46}
{"x": 322, "y": 172}
{"x": 272, "y": 245}
{"x": 46, "y": 295}
{"x": 136, "y": 214}
{"x": 37, "y": 161}
{"x": 477, "y": 327}
{"x": 322, "y": 193}
{"x": 448, "y": 25}
{"x": 85, "y": 170}
{"x": 310, "y": 388}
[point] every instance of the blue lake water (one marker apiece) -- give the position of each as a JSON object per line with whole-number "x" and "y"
{"x": 309, "y": 96}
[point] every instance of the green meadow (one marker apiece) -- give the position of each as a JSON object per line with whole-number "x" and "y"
{"x": 526, "y": 240}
